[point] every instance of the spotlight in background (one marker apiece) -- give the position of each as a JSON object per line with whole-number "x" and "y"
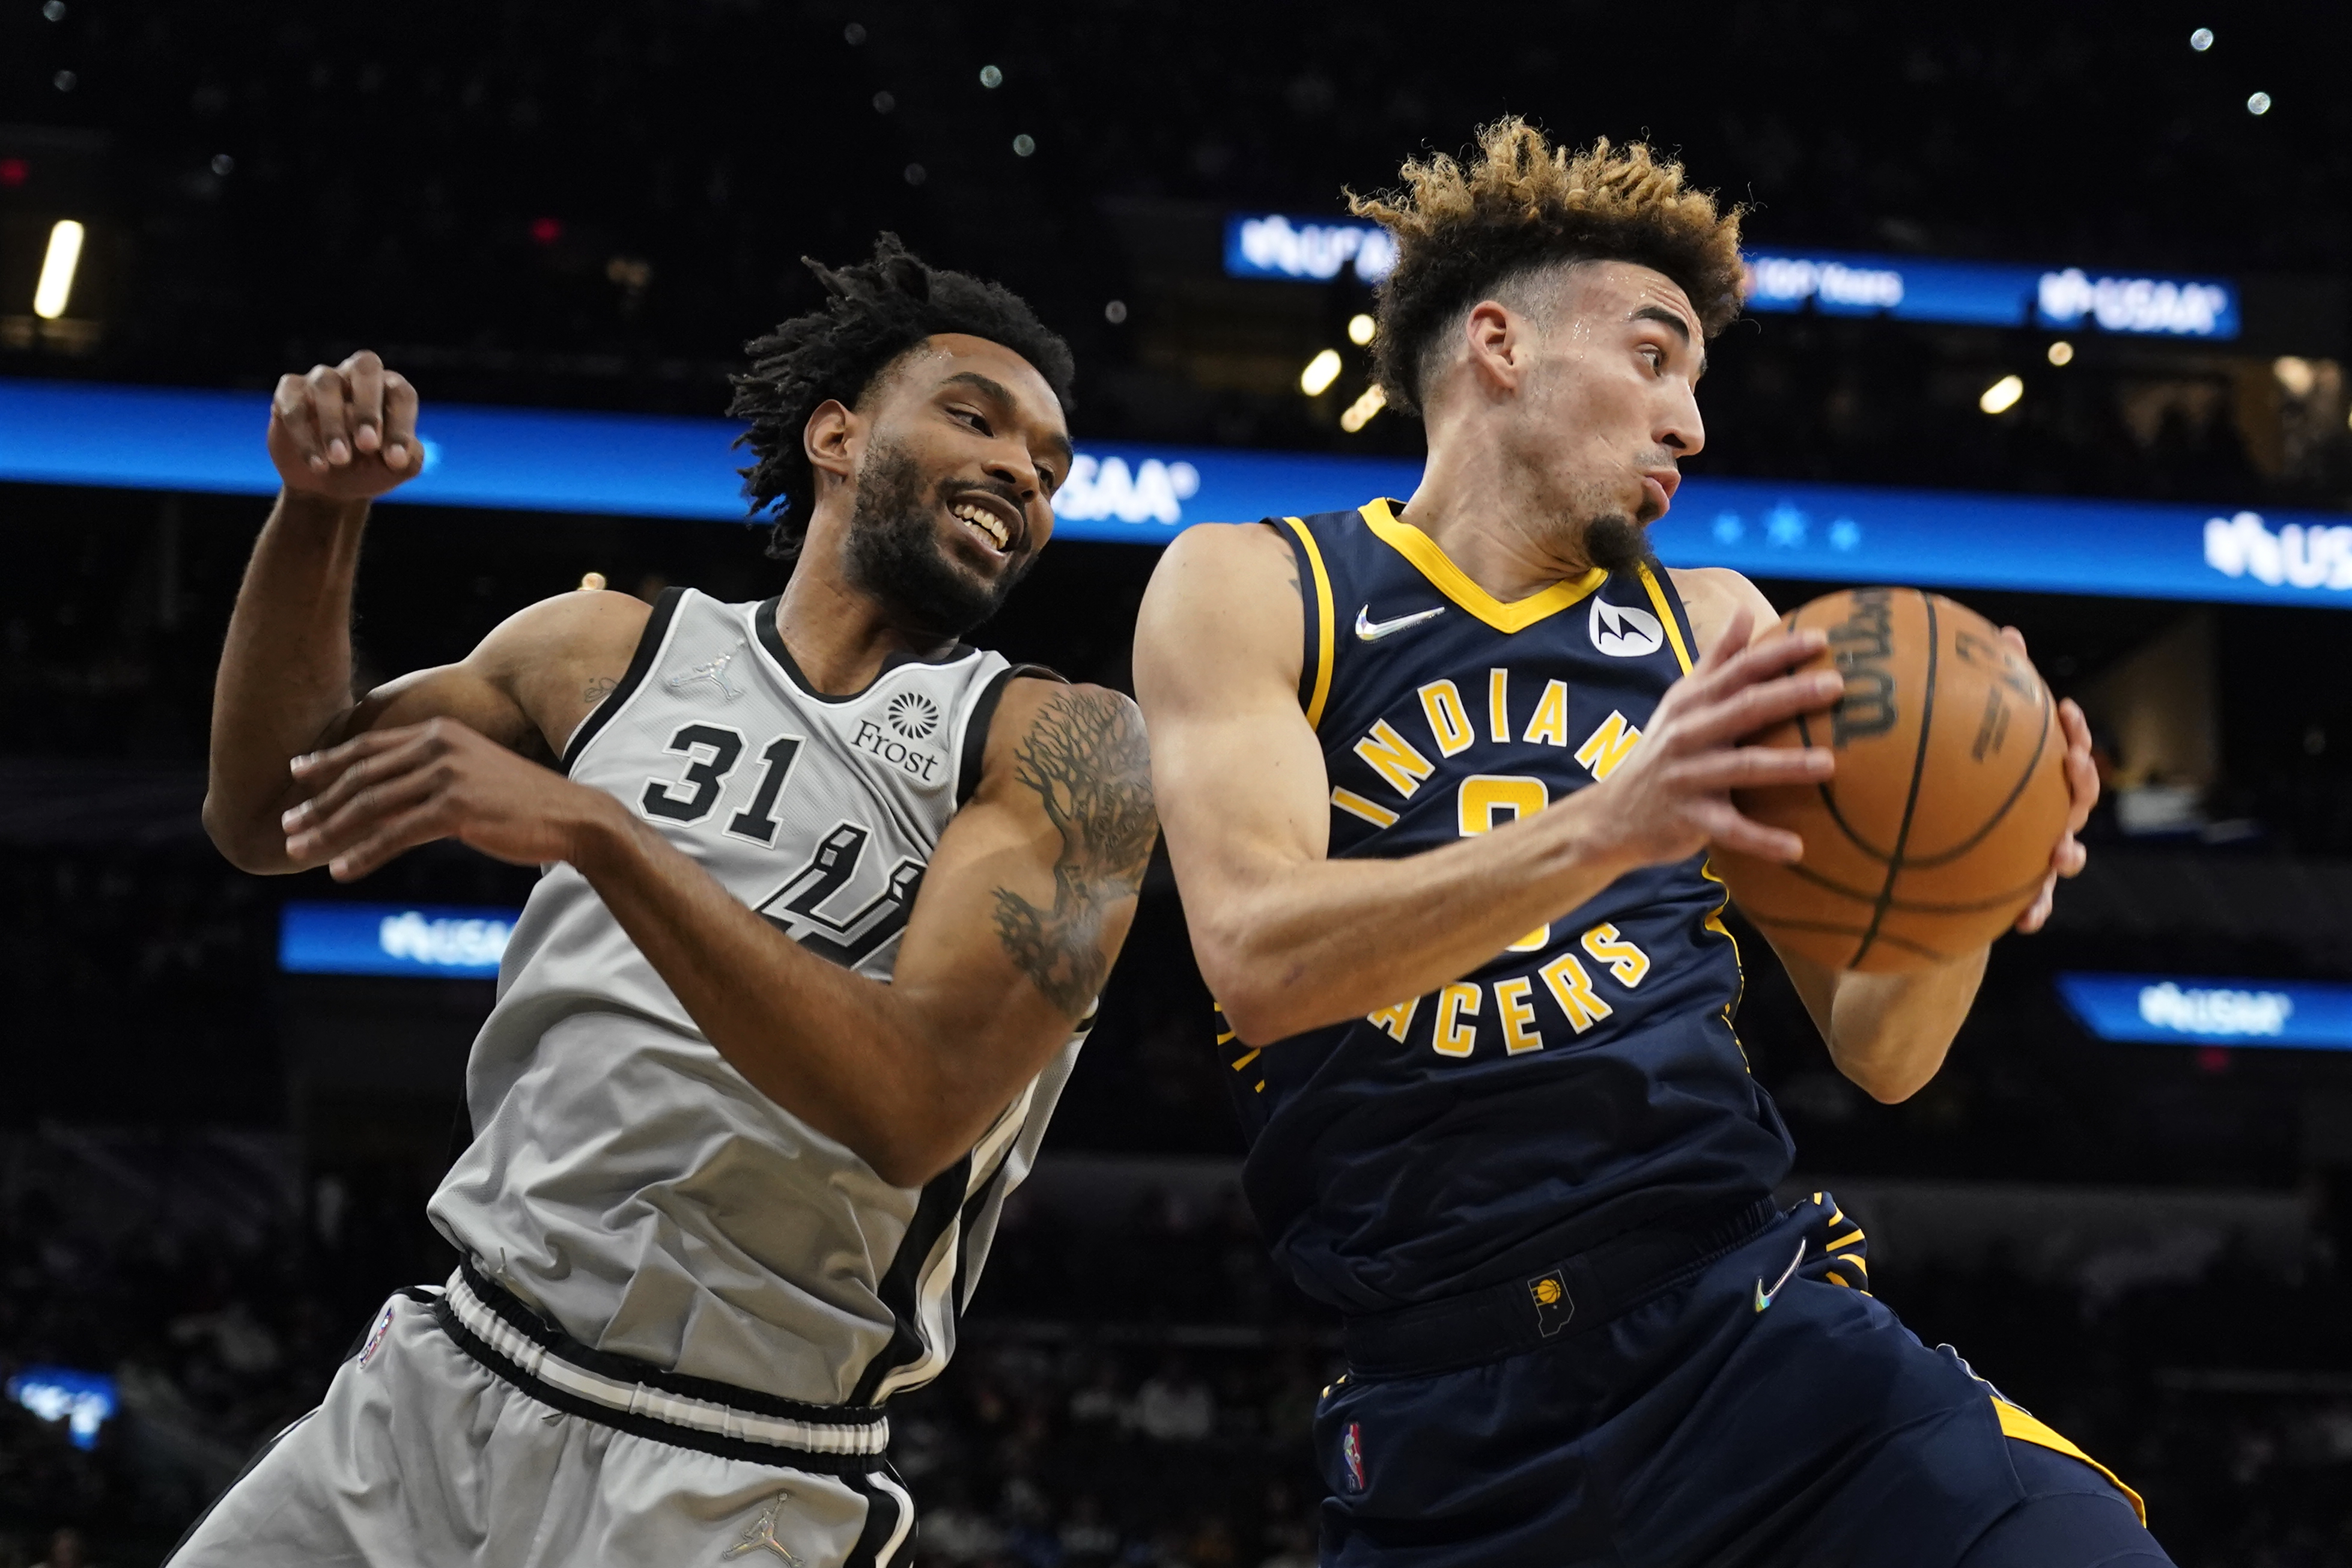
{"x": 1359, "y": 413}
{"x": 55, "y": 286}
{"x": 591, "y": 581}
{"x": 2260, "y": 103}
{"x": 2003, "y": 394}
{"x": 2201, "y": 39}
{"x": 991, "y": 76}
{"x": 1024, "y": 144}
{"x": 1320, "y": 372}
{"x": 2062, "y": 352}
{"x": 1361, "y": 329}
{"x": 2295, "y": 374}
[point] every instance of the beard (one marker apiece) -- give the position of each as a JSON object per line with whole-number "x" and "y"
{"x": 1615, "y": 542}
{"x": 894, "y": 550}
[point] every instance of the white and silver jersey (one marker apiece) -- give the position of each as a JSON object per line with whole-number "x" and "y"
{"x": 624, "y": 1178}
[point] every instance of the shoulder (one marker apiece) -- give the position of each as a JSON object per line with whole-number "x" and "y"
{"x": 592, "y": 627}
{"x": 1711, "y": 595}
{"x": 1237, "y": 550}
{"x": 1078, "y": 749}
{"x": 1224, "y": 600}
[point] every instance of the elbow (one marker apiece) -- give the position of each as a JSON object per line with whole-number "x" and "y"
{"x": 1259, "y": 1007}
{"x": 1889, "y": 1083}
{"x": 260, "y": 852}
{"x": 912, "y": 1163}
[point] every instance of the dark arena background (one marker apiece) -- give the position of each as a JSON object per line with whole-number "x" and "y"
{"x": 2048, "y": 311}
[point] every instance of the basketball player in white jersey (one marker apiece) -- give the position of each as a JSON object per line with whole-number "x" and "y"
{"x": 828, "y": 897}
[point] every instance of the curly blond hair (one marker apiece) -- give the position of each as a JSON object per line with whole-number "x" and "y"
{"x": 1524, "y": 205}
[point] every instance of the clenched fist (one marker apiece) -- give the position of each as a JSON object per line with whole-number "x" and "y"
{"x": 347, "y": 432}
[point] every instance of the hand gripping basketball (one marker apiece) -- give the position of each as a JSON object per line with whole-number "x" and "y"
{"x": 1671, "y": 797}
{"x": 345, "y": 432}
{"x": 1961, "y": 784}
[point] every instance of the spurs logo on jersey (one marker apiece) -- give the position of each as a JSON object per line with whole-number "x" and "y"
{"x": 626, "y": 1179}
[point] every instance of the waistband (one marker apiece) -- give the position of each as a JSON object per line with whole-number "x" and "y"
{"x": 1572, "y": 1296}
{"x": 518, "y": 1346}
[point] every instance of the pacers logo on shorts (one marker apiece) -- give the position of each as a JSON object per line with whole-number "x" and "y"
{"x": 1352, "y": 1454}
{"x": 1554, "y": 1307}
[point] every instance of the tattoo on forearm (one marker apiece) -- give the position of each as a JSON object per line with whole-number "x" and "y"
{"x": 1087, "y": 758}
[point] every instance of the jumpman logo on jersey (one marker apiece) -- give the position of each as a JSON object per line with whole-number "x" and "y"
{"x": 714, "y": 672}
{"x": 1370, "y": 630}
{"x": 760, "y": 1535}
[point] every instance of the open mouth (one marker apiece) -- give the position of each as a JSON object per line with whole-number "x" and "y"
{"x": 988, "y": 517}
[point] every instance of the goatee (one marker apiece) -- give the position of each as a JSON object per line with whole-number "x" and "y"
{"x": 1615, "y": 542}
{"x": 894, "y": 550}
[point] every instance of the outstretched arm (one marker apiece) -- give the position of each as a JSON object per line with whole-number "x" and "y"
{"x": 339, "y": 436}
{"x": 1289, "y": 940}
{"x": 1889, "y": 1033}
{"x": 1023, "y": 908}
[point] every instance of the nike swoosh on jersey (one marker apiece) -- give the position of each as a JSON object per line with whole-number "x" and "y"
{"x": 1764, "y": 1296}
{"x": 1370, "y": 630}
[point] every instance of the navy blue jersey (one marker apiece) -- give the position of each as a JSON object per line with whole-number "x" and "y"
{"x": 1585, "y": 1083}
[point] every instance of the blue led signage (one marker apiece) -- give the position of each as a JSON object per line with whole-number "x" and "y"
{"x": 1992, "y": 294}
{"x": 84, "y": 1401}
{"x": 2177, "y": 1010}
{"x": 434, "y": 940}
{"x": 538, "y": 460}
{"x": 1307, "y": 249}
{"x": 1836, "y": 283}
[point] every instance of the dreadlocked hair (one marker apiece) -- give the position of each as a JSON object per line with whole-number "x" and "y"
{"x": 1523, "y": 205}
{"x": 876, "y": 312}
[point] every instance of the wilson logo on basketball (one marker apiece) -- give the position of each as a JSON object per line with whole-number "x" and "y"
{"x": 1861, "y": 645}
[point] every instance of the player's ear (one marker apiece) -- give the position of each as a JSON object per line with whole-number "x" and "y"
{"x": 1491, "y": 333}
{"x": 830, "y": 439}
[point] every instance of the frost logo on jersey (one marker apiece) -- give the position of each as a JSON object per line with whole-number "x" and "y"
{"x": 927, "y": 765}
{"x": 913, "y": 715}
{"x": 714, "y": 672}
{"x": 1622, "y": 631}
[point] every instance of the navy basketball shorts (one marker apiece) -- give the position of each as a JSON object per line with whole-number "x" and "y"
{"x": 1764, "y": 1410}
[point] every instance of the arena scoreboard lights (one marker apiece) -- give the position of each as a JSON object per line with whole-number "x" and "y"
{"x": 2177, "y": 1010}
{"x": 541, "y": 460}
{"x": 426, "y": 940}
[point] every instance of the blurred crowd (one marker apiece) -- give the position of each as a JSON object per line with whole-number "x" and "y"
{"x": 1135, "y": 1388}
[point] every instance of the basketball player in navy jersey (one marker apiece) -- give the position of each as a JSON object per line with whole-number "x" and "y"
{"x": 1438, "y": 781}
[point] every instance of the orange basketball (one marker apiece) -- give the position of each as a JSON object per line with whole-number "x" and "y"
{"x": 1950, "y": 792}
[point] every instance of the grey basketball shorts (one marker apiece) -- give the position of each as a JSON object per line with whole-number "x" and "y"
{"x": 465, "y": 1431}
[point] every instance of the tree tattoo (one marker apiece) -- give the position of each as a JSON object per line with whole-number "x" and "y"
{"x": 1087, "y": 758}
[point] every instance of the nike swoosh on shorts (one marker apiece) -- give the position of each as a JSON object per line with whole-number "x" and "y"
{"x": 1764, "y": 1296}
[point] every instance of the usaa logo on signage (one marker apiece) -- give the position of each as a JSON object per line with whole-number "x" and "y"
{"x": 1100, "y": 489}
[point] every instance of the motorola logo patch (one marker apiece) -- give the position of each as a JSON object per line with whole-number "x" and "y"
{"x": 1622, "y": 631}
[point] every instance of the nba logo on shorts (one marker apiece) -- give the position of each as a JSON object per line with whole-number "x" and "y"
{"x": 376, "y": 1338}
{"x": 1352, "y": 1454}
